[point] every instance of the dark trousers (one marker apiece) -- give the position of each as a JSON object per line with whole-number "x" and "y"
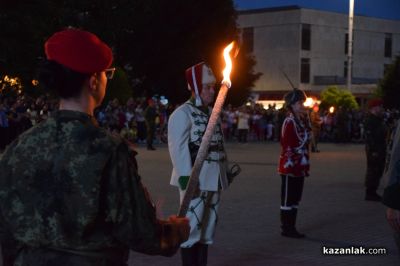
{"x": 375, "y": 167}
{"x": 397, "y": 240}
{"x": 291, "y": 192}
{"x": 195, "y": 255}
{"x": 151, "y": 128}
{"x": 141, "y": 130}
{"x": 242, "y": 135}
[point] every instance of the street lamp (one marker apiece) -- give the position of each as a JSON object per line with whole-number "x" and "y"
{"x": 350, "y": 44}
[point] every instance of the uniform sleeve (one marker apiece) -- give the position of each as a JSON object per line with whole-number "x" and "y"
{"x": 128, "y": 205}
{"x": 178, "y": 142}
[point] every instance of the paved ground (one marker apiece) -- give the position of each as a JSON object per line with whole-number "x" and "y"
{"x": 332, "y": 212}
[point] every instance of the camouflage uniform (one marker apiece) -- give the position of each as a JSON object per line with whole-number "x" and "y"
{"x": 70, "y": 194}
{"x": 375, "y": 140}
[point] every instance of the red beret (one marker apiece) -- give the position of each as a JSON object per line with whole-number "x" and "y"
{"x": 79, "y": 50}
{"x": 374, "y": 102}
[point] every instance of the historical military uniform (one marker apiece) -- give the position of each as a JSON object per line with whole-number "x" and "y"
{"x": 70, "y": 194}
{"x": 293, "y": 165}
{"x": 375, "y": 147}
{"x": 186, "y": 128}
{"x": 187, "y": 125}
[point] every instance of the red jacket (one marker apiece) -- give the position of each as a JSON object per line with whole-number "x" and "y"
{"x": 294, "y": 158}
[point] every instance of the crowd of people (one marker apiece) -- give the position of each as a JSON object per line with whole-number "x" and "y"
{"x": 246, "y": 123}
{"x": 70, "y": 190}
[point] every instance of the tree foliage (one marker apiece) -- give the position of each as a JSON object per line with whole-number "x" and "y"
{"x": 334, "y": 96}
{"x": 154, "y": 41}
{"x": 118, "y": 87}
{"x": 389, "y": 86}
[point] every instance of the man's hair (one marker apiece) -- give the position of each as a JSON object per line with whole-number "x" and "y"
{"x": 294, "y": 96}
{"x": 65, "y": 82}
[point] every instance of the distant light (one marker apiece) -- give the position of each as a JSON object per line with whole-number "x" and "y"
{"x": 331, "y": 109}
{"x": 35, "y": 82}
{"x": 309, "y": 102}
{"x": 163, "y": 100}
{"x": 266, "y": 103}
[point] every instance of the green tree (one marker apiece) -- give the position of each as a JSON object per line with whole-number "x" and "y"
{"x": 153, "y": 40}
{"x": 170, "y": 36}
{"x": 334, "y": 96}
{"x": 389, "y": 86}
{"x": 118, "y": 87}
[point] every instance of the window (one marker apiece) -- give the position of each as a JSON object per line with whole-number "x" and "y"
{"x": 248, "y": 39}
{"x": 305, "y": 70}
{"x": 306, "y": 37}
{"x": 388, "y": 45}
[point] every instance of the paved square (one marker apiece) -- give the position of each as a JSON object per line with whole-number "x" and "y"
{"x": 332, "y": 212}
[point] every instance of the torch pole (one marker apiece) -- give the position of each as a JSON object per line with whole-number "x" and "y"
{"x": 203, "y": 150}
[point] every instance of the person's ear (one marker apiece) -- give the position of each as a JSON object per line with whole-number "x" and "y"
{"x": 93, "y": 82}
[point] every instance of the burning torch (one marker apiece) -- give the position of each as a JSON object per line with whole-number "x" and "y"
{"x": 205, "y": 142}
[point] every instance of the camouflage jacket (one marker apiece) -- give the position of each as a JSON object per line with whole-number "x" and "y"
{"x": 375, "y": 135}
{"x": 69, "y": 184}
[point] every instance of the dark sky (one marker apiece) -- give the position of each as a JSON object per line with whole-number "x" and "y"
{"x": 388, "y": 9}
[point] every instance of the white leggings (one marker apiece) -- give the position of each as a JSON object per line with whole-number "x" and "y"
{"x": 203, "y": 217}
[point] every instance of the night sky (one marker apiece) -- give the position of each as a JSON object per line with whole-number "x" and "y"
{"x": 387, "y": 9}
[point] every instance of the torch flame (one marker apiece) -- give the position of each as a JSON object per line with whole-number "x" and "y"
{"x": 228, "y": 68}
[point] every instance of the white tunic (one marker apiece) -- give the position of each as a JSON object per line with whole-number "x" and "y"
{"x": 187, "y": 124}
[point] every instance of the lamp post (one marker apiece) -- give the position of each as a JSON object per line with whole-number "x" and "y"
{"x": 350, "y": 44}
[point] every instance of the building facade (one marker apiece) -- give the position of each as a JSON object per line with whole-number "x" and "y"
{"x": 309, "y": 47}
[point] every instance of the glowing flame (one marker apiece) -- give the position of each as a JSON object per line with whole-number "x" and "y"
{"x": 309, "y": 102}
{"x": 331, "y": 109}
{"x": 228, "y": 67}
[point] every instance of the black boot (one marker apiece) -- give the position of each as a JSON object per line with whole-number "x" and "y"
{"x": 189, "y": 256}
{"x": 288, "y": 219}
{"x": 202, "y": 254}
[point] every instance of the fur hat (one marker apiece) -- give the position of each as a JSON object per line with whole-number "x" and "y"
{"x": 294, "y": 96}
{"x": 78, "y": 50}
{"x": 196, "y": 77}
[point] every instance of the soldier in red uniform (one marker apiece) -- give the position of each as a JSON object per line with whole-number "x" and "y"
{"x": 294, "y": 160}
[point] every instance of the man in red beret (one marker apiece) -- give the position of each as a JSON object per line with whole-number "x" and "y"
{"x": 70, "y": 192}
{"x": 375, "y": 147}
